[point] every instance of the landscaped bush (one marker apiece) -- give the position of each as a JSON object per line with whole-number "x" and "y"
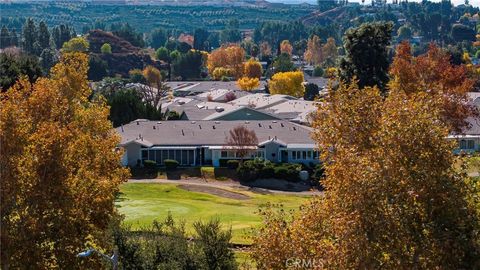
{"x": 171, "y": 164}
{"x": 233, "y": 164}
{"x": 249, "y": 170}
{"x": 289, "y": 172}
{"x": 254, "y": 169}
{"x": 149, "y": 164}
{"x": 268, "y": 171}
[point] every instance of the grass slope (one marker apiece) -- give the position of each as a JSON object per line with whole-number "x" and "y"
{"x": 141, "y": 203}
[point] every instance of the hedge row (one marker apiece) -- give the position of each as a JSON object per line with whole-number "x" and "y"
{"x": 256, "y": 169}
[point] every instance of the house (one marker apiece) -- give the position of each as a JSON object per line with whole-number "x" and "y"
{"x": 469, "y": 140}
{"x": 206, "y": 110}
{"x": 297, "y": 110}
{"x": 221, "y": 95}
{"x": 188, "y": 88}
{"x": 195, "y": 143}
{"x": 261, "y": 101}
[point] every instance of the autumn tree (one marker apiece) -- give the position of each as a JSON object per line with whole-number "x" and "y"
{"x": 330, "y": 52}
{"x": 242, "y": 141}
{"x": 248, "y": 84}
{"x": 155, "y": 88}
{"x": 432, "y": 73}
{"x": 229, "y": 57}
{"x": 59, "y": 170}
{"x": 287, "y": 83}
{"x": 393, "y": 199}
{"x": 265, "y": 49}
{"x": 76, "y": 44}
{"x": 286, "y": 47}
{"x": 314, "y": 52}
{"x": 252, "y": 69}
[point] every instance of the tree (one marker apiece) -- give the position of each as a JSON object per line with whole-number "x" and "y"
{"x": 162, "y": 54}
{"x": 286, "y": 48}
{"x": 97, "y": 68}
{"x": 158, "y": 37}
{"x": 252, "y": 69}
{"x": 30, "y": 36}
{"x": 283, "y": 63}
{"x": 5, "y": 40}
{"x": 248, "y": 84}
{"x": 229, "y": 57}
{"x": 61, "y": 34}
{"x": 366, "y": 54}
{"x": 189, "y": 65}
{"x": 48, "y": 58}
{"x": 242, "y": 141}
{"x": 12, "y": 67}
{"x": 128, "y": 33}
{"x": 330, "y": 52}
{"x": 287, "y": 83}
{"x": 76, "y": 44}
{"x": 462, "y": 32}
{"x": 213, "y": 41}
{"x": 231, "y": 34}
{"x": 13, "y": 38}
{"x": 155, "y": 87}
{"x": 314, "y": 52}
{"x": 404, "y": 33}
{"x": 106, "y": 48}
{"x": 43, "y": 36}
{"x": 220, "y": 73}
{"x": 59, "y": 171}
{"x": 311, "y": 91}
{"x": 389, "y": 170}
{"x": 200, "y": 39}
{"x": 265, "y": 49}
{"x": 433, "y": 74}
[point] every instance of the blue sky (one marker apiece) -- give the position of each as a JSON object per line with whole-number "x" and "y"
{"x": 455, "y": 2}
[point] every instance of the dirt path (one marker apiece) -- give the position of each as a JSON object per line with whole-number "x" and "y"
{"x": 215, "y": 191}
{"x": 222, "y": 185}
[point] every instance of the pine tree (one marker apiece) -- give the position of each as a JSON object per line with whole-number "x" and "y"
{"x": 43, "y": 36}
{"x": 5, "y": 40}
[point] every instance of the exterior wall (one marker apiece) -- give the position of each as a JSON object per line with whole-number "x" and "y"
{"x": 465, "y": 146}
{"x": 272, "y": 152}
{"x": 246, "y": 114}
{"x": 132, "y": 151}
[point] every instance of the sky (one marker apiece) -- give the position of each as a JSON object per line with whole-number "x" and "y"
{"x": 475, "y": 3}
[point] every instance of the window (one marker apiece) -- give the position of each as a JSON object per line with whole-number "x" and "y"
{"x": 224, "y": 154}
{"x": 470, "y": 144}
{"x": 304, "y": 154}
{"x": 144, "y": 154}
{"x": 467, "y": 144}
{"x": 151, "y": 154}
{"x": 309, "y": 154}
{"x": 294, "y": 155}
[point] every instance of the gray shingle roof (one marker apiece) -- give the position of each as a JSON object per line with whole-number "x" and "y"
{"x": 190, "y": 133}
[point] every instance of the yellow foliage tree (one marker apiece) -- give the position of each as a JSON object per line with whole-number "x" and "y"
{"x": 248, "y": 84}
{"x": 330, "y": 52}
{"x": 314, "y": 53}
{"x": 393, "y": 199}
{"x": 228, "y": 57}
{"x": 287, "y": 83}
{"x": 252, "y": 69}
{"x": 286, "y": 47}
{"x": 221, "y": 72}
{"x": 76, "y": 44}
{"x": 60, "y": 170}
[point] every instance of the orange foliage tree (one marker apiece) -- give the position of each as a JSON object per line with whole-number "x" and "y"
{"x": 265, "y": 49}
{"x": 228, "y": 57}
{"x": 433, "y": 73}
{"x": 252, "y": 69}
{"x": 393, "y": 197}
{"x": 59, "y": 170}
{"x": 314, "y": 52}
{"x": 286, "y": 47}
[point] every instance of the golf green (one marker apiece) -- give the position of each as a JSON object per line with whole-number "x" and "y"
{"x": 141, "y": 203}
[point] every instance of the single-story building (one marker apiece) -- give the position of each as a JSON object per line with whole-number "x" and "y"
{"x": 195, "y": 143}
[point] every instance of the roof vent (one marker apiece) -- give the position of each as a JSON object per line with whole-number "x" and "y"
{"x": 294, "y": 128}
{"x": 214, "y": 127}
{"x": 193, "y": 122}
{"x": 269, "y": 126}
{"x": 159, "y": 123}
{"x": 200, "y": 126}
{"x": 259, "y": 125}
{"x": 122, "y": 128}
{"x": 274, "y": 121}
{"x": 219, "y": 109}
{"x": 138, "y": 123}
{"x": 281, "y": 124}
{"x": 183, "y": 133}
{"x": 217, "y": 122}
{"x": 247, "y": 122}
{"x": 154, "y": 127}
{"x": 181, "y": 102}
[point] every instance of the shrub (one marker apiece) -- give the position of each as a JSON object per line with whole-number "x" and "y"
{"x": 268, "y": 171}
{"x": 106, "y": 48}
{"x": 288, "y": 172}
{"x": 171, "y": 164}
{"x": 149, "y": 164}
{"x": 318, "y": 71}
{"x": 250, "y": 170}
{"x": 233, "y": 164}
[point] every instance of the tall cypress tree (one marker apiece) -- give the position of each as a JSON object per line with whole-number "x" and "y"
{"x": 5, "y": 40}
{"x": 43, "y": 36}
{"x": 13, "y": 38}
{"x": 30, "y": 35}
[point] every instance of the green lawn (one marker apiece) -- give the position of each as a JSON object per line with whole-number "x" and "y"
{"x": 141, "y": 203}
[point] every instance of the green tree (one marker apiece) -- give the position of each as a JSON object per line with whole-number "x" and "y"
{"x": 97, "y": 68}
{"x": 61, "y": 34}
{"x": 200, "y": 39}
{"x": 77, "y": 44}
{"x": 43, "y": 36}
{"x": 188, "y": 65}
{"x": 106, "y": 48}
{"x": 13, "y": 38}
{"x": 47, "y": 59}
{"x": 158, "y": 37}
{"x": 12, "y": 67}
{"x": 5, "y": 39}
{"x": 231, "y": 34}
{"x": 163, "y": 54}
{"x": 462, "y": 32}
{"x": 30, "y": 36}
{"x": 283, "y": 63}
{"x": 366, "y": 54}
{"x": 404, "y": 33}
{"x": 311, "y": 91}
{"x": 128, "y": 33}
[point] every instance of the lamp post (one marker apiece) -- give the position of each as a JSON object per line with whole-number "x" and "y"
{"x": 113, "y": 259}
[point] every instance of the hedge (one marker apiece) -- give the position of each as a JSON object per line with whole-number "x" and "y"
{"x": 171, "y": 164}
